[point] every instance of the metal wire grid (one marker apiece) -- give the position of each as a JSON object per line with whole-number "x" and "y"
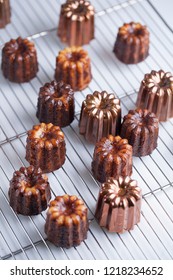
{"x": 23, "y": 237}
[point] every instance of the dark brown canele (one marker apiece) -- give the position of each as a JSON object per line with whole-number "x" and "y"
{"x": 29, "y": 191}
{"x": 19, "y": 60}
{"x": 45, "y": 147}
{"x": 67, "y": 221}
{"x": 76, "y": 24}
{"x": 56, "y": 104}
{"x": 100, "y": 116}
{"x": 141, "y": 128}
{"x": 119, "y": 204}
{"x": 73, "y": 67}
{"x": 132, "y": 43}
{"x": 112, "y": 158}
{"x": 156, "y": 94}
{"x": 5, "y": 13}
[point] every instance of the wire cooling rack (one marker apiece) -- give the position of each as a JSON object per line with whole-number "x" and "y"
{"x": 24, "y": 237}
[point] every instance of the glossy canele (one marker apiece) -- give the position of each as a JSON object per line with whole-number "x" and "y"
{"x": 19, "y": 60}
{"x": 76, "y": 23}
{"x": 56, "y": 104}
{"x": 112, "y": 158}
{"x": 141, "y": 128}
{"x": 100, "y": 116}
{"x": 119, "y": 204}
{"x": 5, "y": 13}
{"x": 29, "y": 191}
{"x": 73, "y": 67}
{"x": 132, "y": 43}
{"x": 67, "y": 221}
{"x": 46, "y": 147}
{"x": 156, "y": 94}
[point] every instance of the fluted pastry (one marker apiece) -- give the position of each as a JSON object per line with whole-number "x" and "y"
{"x": 19, "y": 60}
{"x": 29, "y": 191}
{"x": 100, "y": 116}
{"x": 112, "y": 158}
{"x": 5, "y": 13}
{"x": 46, "y": 147}
{"x": 132, "y": 43}
{"x": 141, "y": 128}
{"x": 56, "y": 104}
{"x": 156, "y": 94}
{"x": 119, "y": 204}
{"x": 76, "y": 23}
{"x": 73, "y": 67}
{"x": 67, "y": 221}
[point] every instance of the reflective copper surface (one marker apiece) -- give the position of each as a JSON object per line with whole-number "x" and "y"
{"x": 100, "y": 116}
{"x": 76, "y": 24}
{"x": 119, "y": 204}
{"x": 156, "y": 94}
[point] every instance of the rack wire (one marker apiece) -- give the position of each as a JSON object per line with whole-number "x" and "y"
{"x": 24, "y": 237}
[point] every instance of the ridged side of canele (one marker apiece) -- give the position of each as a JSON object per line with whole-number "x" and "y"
{"x": 29, "y": 204}
{"x": 47, "y": 159}
{"x": 131, "y": 47}
{"x": 25, "y": 199}
{"x": 143, "y": 140}
{"x": 48, "y": 113}
{"x": 45, "y": 147}
{"x": 107, "y": 164}
{"x": 56, "y": 110}
{"x": 131, "y": 52}
{"x": 66, "y": 224}
{"x": 19, "y": 67}
{"x": 5, "y": 13}
{"x": 66, "y": 235}
{"x": 77, "y": 75}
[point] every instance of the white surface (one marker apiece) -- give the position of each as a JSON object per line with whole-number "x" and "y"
{"x": 23, "y": 237}
{"x": 165, "y": 8}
